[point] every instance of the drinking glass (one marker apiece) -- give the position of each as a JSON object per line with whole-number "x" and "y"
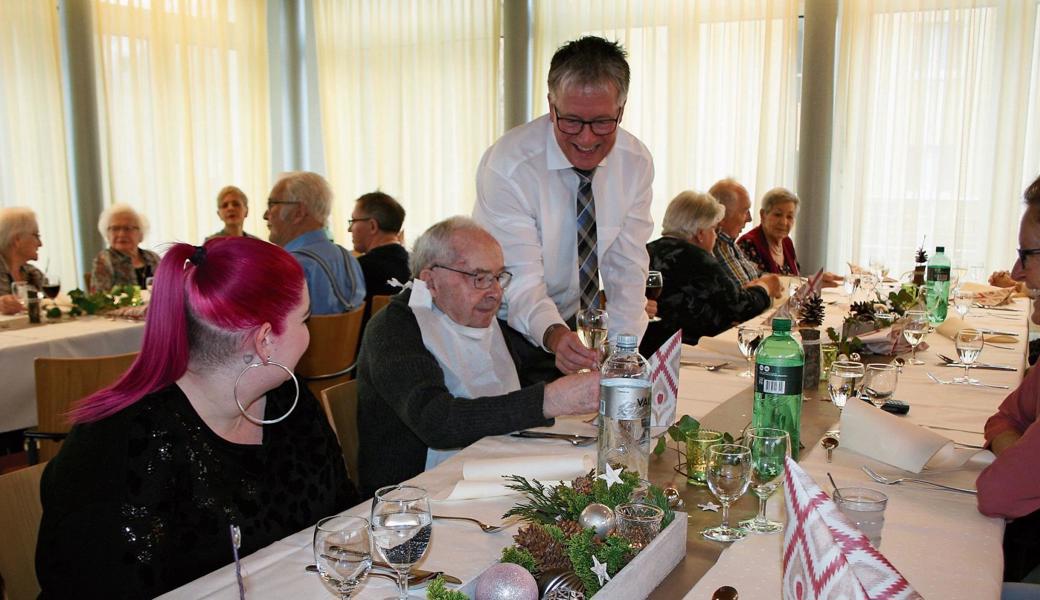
{"x": 51, "y": 286}
{"x": 865, "y": 508}
{"x": 401, "y": 528}
{"x": 697, "y": 445}
{"x": 21, "y": 291}
{"x": 916, "y": 328}
{"x": 729, "y": 474}
{"x": 638, "y": 523}
{"x": 969, "y": 344}
{"x": 844, "y": 381}
{"x": 654, "y": 285}
{"x": 592, "y": 329}
{"x": 868, "y": 282}
{"x": 851, "y": 283}
{"x": 962, "y": 300}
{"x": 342, "y": 552}
{"x": 748, "y": 337}
{"x": 769, "y": 448}
{"x": 879, "y": 383}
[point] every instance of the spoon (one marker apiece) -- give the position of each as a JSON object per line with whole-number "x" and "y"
{"x": 725, "y": 592}
{"x": 829, "y": 443}
{"x": 899, "y": 363}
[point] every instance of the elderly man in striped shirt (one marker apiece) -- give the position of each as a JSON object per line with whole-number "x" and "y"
{"x": 735, "y": 198}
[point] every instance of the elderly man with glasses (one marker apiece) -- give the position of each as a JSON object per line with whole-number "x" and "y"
{"x": 568, "y": 197}
{"x": 438, "y": 371}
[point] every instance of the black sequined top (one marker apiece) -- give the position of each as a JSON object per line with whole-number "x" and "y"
{"x": 141, "y": 502}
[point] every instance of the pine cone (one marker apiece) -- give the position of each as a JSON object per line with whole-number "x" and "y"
{"x": 547, "y": 552}
{"x": 813, "y": 311}
{"x": 863, "y": 311}
{"x": 583, "y": 484}
{"x": 569, "y": 527}
{"x": 922, "y": 256}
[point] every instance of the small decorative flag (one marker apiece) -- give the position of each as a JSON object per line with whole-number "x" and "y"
{"x": 664, "y": 381}
{"x": 825, "y": 556}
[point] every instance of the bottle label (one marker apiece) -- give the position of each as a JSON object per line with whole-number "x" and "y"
{"x": 624, "y": 399}
{"x": 938, "y": 273}
{"x": 781, "y": 381}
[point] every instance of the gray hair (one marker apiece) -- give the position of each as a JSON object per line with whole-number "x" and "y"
{"x": 589, "y": 61}
{"x": 120, "y": 208}
{"x": 727, "y": 191}
{"x": 310, "y": 190}
{"x": 15, "y": 221}
{"x": 230, "y": 189}
{"x": 691, "y": 212}
{"x": 778, "y": 195}
{"x": 435, "y": 245}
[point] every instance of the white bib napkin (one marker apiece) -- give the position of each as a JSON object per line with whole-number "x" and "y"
{"x": 476, "y": 361}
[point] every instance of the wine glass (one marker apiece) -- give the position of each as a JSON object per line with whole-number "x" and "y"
{"x": 969, "y": 344}
{"x": 769, "y": 448}
{"x": 962, "y": 300}
{"x": 592, "y": 329}
{"x": 843, "y": 381}
{"x": 342, "y": 552}
{"x": 879, "y": 382}
{"x": 51, "y": 286}
{"x": 748, "y": 338}
{"x": 654, "y": 285}
{"x": 914, "y": 331}
{"x": 868, "y": 282}
{"x": 851, "y": 284}
{"x": 401, "y": 528}
{"x": 729, "y": 474}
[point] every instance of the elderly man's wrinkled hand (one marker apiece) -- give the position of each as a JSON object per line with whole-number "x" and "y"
{"x": 572, "y": 395}
{"x": 9, "y": 305}
{"x": 651, "y": 308}
{"x": 771, "y": 283}
{"x": 572, "y": 355}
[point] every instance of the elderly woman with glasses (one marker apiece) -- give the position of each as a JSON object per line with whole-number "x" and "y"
{"x": 124, "y": 262}
{"x": 699, "y": 297}
{"x": 19, "y": 243}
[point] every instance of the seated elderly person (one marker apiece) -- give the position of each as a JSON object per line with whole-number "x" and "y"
{"x": 737, "y": 202}
{"x": 1009, "y": 487}
{"x": 232, "y": 208}
{"x": 124, "y": 262}
{"x": 698, "y": 297}
{"x": 207, "y": 429}
{"x": 438, "y": 371}
{"x": 375, "y": 229}
{"x": 19, "y": 243}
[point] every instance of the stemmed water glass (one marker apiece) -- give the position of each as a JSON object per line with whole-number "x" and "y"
{"x": 748, "y": 337}
{"x": 851, "y": 283}
{"x": 962, "y": 300}
{"x": 769, "y": 449}
{"x": 843, "y": 381}
{"x": 916, "y": 328}
{"x": 592, "y": 329}
{"x": 729, "y": 474}
{"x": 654, "y": 287}
{"x": 401, "y": 528}
{"x": 969, "y": 344}
{"x": 879, "y": 383}
{"x": 342, "y": 552}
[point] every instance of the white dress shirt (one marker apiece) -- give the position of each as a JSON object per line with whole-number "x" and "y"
{"x": 526, "y": 191}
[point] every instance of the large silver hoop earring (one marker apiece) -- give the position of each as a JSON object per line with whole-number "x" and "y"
{"x": 250, "y": 417}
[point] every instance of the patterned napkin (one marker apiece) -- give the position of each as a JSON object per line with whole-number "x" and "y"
{"x": 825, "y": 556}
{"x": 790, "y": 309}
{"x": 664, "y": 379}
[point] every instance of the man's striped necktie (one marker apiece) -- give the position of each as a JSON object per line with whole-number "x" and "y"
{"x": 588, "y": 262}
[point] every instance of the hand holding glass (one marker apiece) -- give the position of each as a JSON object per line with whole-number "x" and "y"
{"x": 654, "y": 286}
{"x": 401, "y": 528}
{"x": 969, "y": 344}
{"x": 769, "y": 449}
{"x": 915, "y": 330}
{"x": 844, "y": 381}
{"x": 342, "y": 552}
{"x": 879, "y": 383}
{"x": 729, "y": 474}
{"x": 748, "y": 338}
{"x": 592, "y": 329}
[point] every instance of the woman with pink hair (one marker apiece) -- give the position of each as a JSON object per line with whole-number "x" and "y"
{"x": 207, "y": 431}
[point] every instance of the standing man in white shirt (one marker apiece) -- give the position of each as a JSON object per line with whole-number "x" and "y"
{"x": 568, "y": 198}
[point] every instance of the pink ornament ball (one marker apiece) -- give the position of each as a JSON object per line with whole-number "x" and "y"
{"x": 506, "y": 581}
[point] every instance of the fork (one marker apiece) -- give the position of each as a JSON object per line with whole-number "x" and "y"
{"x": 886, "y": 481}
{"x": 976, "y": 384}
{"x": 705, "y": 366}
{"x": 572, "y": 438}
{"x": 484, "y": 526}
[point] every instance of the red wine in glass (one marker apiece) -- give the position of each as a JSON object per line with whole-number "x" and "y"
{"x": 654, "y": 285}
{"x": 51, "y": 287}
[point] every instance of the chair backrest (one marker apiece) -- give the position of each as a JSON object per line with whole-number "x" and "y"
{"x": 20, "y": 513}
{"x": 379, "y": 303}
{"x": 62, "y": 381}
{"x": 87, "y": 277}
{"x": 333, "y": 348}
{"x": 340, "y": 403}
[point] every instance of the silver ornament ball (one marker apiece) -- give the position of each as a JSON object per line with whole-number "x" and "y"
{"x": 598, "y": 517}
{"x": 506, "y": 581}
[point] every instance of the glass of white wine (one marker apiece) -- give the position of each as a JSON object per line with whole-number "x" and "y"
{"x": 969, "y": 344}
{"x": 844, "y": 381}
{"x": 593, "y": 324}
{"x": 914, "y": 331}
{"x": 748, "y": 337}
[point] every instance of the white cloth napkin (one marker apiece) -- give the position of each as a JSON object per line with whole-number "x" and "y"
{"x": 953, "y": 323}
{"x": 483, "y": 477}
{"x": 900, "y": 443}
{"x": 720, "y": 345}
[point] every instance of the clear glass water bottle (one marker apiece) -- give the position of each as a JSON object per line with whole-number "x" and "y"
{"x": 938, "y": 286}
{"x": 624, "y": 409}
{"x": 778, "y": 383}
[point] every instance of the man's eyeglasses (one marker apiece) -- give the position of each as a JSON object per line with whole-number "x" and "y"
{"x": 1024, "y": 252}
{"x": 572, "y": 126}
{"x": 482, "y": 280}
{"x": 350, "y": 222}
{"x": 271, "y": 202}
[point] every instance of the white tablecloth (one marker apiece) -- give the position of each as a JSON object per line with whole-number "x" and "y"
{"x": 82, "y": 337}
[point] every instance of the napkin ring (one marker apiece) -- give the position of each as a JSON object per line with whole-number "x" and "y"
{"x": 250, "y": 417}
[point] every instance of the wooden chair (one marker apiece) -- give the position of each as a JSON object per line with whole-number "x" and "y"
{"x": 379, "y": 303}
{"x": 20, "y": 513}
{"x": 59, "y": 383}
{"x": 86, "y": 279}
{"x": 332, "y": 354}
{"x": 340, "y": 404}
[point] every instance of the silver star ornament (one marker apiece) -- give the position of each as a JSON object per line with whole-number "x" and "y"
{"x": 611, "y": 475}
{"x": 600, "y": 569}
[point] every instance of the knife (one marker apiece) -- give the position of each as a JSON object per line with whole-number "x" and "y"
{"x": 997, "y": 332}
{"x": 983, "y": 367}
{"x": 419, "y": 572}
{"x": 552, "y": 436}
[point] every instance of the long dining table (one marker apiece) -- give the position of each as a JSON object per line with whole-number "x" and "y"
{"x": 937, "y": 539}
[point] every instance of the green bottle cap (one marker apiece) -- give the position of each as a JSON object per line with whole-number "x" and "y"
{"x": 781, "y": 324}
{"x": 940, "y": 249}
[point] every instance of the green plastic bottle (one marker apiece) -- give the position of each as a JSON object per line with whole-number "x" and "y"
{"x": 778, "y": 383}
{"x": 938, "y": 286}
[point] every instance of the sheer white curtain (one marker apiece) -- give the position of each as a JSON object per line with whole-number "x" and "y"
{"x": 33, "y": 169}
{"x": 715, "y": 84}
{"x": 410, "y": 99}
{"x": 935, "y": 129}
{"x": 183, "y": 96}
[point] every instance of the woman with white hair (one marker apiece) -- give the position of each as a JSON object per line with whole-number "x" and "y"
{"x": 19, "y": 243}
{"x": 123, "y": 262}
{"x": 769, "y": 245}
{"x": 699, "y": 297}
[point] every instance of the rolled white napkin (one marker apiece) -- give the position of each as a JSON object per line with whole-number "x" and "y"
{"x": 953, "y": 324}
{"x": 483, "y": 477}
{"x": 718, "y": 345}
